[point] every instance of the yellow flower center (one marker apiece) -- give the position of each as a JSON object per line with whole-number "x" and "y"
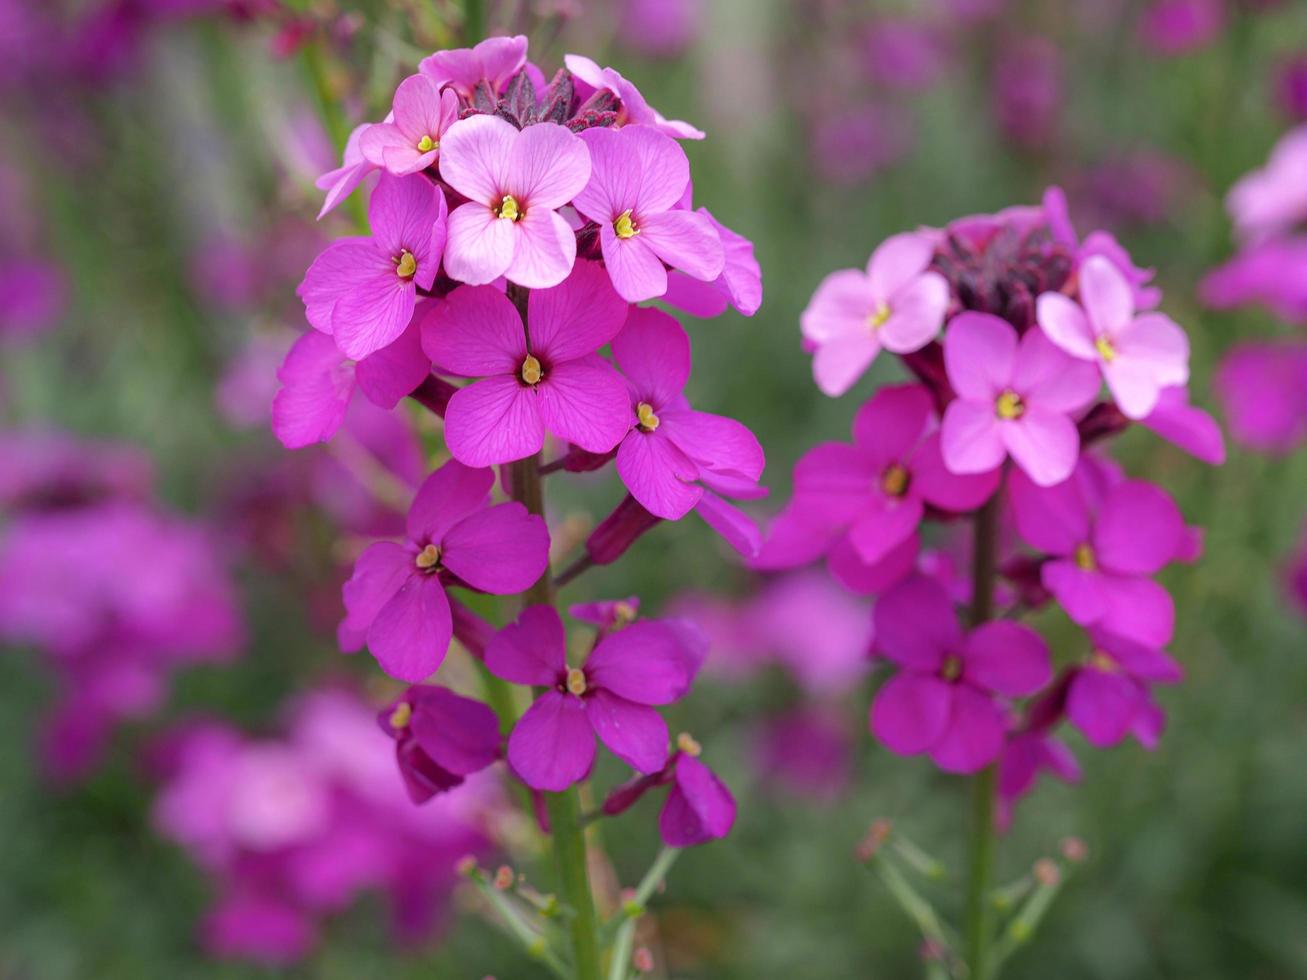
{"x": 426, "y": 144}
{"x": 576, "y": 681}
{"x": 687, "y": 744}
{"x": 1101, "y": 661}
{"x": 952, "y": 668}
{"x": 427, "y": 558}
{"x": 1085, "y": 558}
{"x": 1105, "y": 349}
{"x": 878, "y": 316}
{"x": 645, "y": 413}
{"x": 532, "y": 372}
{"x": 1010, "y": 406}
{"x": 508, "y": 209}
{"x": 894, "y": 481}
{"x": 406, "y": 265}
{"x": 623, "y": 614}
{"x": 402, "y": 715}
{"x": 624, "y": 226}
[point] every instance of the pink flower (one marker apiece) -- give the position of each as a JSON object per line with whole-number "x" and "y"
{"x": 441, "y": 738}
{"x": 1269, "y": 273}
{"x": 699, "y": 807}
{"x": 1272, "y": 200}
{"x": 1103, "y": 545}
{"x": 1138, "y": 355}
{"x": 556, "y": 383}
{"x": 1264, "y": 390}
{"x": 633, "y": 110}
{"x": 422, "y": 113}
{"x": 637, "y": 177}
{"x": 397, "y": 591}
{"x": 1186, "y": 426}
{"x": 514, "y": 181}
{"x": 1029, "y": 89}
{"x": 669, "y": 449}
{"x": 660, "y": 28}
{"x": 362, "y": 291}
{"x": 1015, "y": 397}
{"x": 342, "y": 181}
{"x": 739, "y": 285}
{"x": 896, "y": 304}
{"x": 942, "y": 700}
{"x": 612, "y": 696}
{"x": 1175, "y": 27}
{"x": 1108, "y": 695}
{"x": 491, "y": 63}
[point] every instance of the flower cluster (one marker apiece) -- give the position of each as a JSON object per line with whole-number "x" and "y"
{"x": 1029, "y": 347}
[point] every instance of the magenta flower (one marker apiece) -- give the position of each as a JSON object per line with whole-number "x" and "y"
{"x": 699, "y": 807}
{"x": 1268, "y": 273}
{"x": 363, "y": 291}
{"x": 1187, "y": 426}
{"x": 490, "y": 64}
{"x": 1138, "y": 355}
{"x": 514, "y": 182}
{"x": 1108, "y": 696}
{"x": 942, "y": 700}
{"x": 341, "y": 182}
{"x": 553, "y": 745}
{"x": 632, "y": 109}
{"x": 556, "y": 383}
{"x": 669, "y": 449}
{"x": 397, "y": 591}
{"x": 1175, "y": 27}
{"x": 739, "y": 285}
{"x": 1103, "y": 546}
{"x": 1015, "y": 397}
{"x": 441, "y": 738}
{"x": 422, "y": 113}
{"x": 896, "y": 304}
{"x": 637, "y": 177}
{"x": 879, "y": 487}
{"x": 1273, "y": 199}
{"x": 1263, "y": 388}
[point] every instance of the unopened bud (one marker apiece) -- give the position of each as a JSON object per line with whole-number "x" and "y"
{"x": 466, "y": 866}
{"x": 877, "y": 834}
{"x": 643, "y": 960}
{"x": 504, "y": 878}
{"x": 1074, "y": 849}
{"x": 1047, "y": 873}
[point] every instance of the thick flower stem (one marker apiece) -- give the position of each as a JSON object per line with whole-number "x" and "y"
{"x": 978, "y": 929}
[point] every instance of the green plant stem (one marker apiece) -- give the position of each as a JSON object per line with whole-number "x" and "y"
{"x": 315, "y": 65}
{"x": 474, "y": 21}
{"x": 978, "y": 929}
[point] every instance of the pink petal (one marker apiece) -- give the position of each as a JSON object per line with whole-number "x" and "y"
{"x": 475, "y": 332}
{"x": 1139, "y": 660}
{"x": 863, "y": 579}
{"x": 576, "y": 317}
{"x": 973, "y": 737}
{"x": 686, "y": 241}
{"x": 544, "y": 251}
{"x": 615, "y": 175}
{"x": 664, "y": 169}
{"x": 1139, "y": 529}
{"x": 732, "y": 524}
{"x": 835, "y": 478}
{"x": 448, "y": 495}
{"x": 530, "y": 650}
{"x": 1102, "y": 705}
{"x": 715, "y": 442}
{"x": 548, "y": 167}
{"x": 501, "y": 550}
{"x": 386, "y": 145}
{"x": 839, "y": 362}
{"x": 897, "y": 261}
{"x": 373, "y": 314}
{"x": 637, "y": 273}
{"x": 842, "y": 305}
{"x": 481, "y": 245}
{"x": 1106, "y": 295}
{"x": 1081, "y": 593}
{"x": 916, "y": 625}
{"x": 475, "y": 156}
{"x": 883, "y": 526}
{"x": 1006, "y": 658}
{"x": 1045, "y": 444}
{"x": 1152, "y": 353}
{"x": 461, "y": 735}
{"x": 411, "y": 633}
{"x": 798, "y": 535}
{"x": 585, "y": 402}
{"x": 653, "y": 352}
{"x": 379, "y": 572}
{"x": 971, "y": 438}
{"x": 389, "y": 375}
{"x": 1138, "y": 609}
{"x": 316, "y": 386}
{"x": 493, "y": 421}
{"x": 916, "y": 314}
{"x": 891, "y": 422}
{"x": 634, "y": 733}
{"x": 1054, "y": 519}
{"x": 644, "y": 663}
{"x": 910, "y": 712}
{"x": 658, "y": 474}
{"x": 1050, "y": 379}
{"x": 698, "y": 809}
{"x": 980, "y": 354}
{"x": 402, "y": 213}
{"x": 553, "y": 745}
{"x": 1187, "y": 426}
{"x": 1065, "y": 324}
{"x": 417, "y": 107}
{"x": 332, "y": 275}
{"x": 934, "y": 483}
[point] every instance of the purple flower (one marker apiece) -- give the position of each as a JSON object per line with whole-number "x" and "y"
{"x": 1269, "y": 273}
{"x": 699, "y": 807}
{"x": 739, "y": 285}
{"x": 632, "y": 109}
{"x": 1186, "y": 426}
{"x": 440, "y": 739}
{"x": 1175, "y": 27}
{"x": 33, "y": 294}
{"x": 556, "y": 382}
{"x": 1108, "y": 695}
{"x": 422, "y": 113}
{"x": 670, "y": 449}
{"x": 1264, "y": 390}
{"x": 942, "y": 700}
{"x": 904, "y": 53}
{"x": 490, "y": 64}
{"x": 363, "y": 291}
{"x": 1272, "y": 200}
{"x": 1028, "y": 89}
{"x": 397, "y": 591}
{"x": 896, "y": 304}
{"x": 341, "y": 182}
{"x": 1291, "y": 87}
{"x": 660, "y": 28}
{"x": 1015, "y": 397}
{"x": 628, "y": 672}
{"x": 637, "y": 178}
{"x": 514, "y": 182}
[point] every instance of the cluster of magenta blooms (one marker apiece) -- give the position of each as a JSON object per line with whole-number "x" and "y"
{"x": 1029, "y": 348}
{"x": 516, "y": 224}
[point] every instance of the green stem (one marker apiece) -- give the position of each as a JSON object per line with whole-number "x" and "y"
{"x": 978, "y": 929}
{"x": 315, "y": 65}
{"x": 574, "y": 880}
{"x": 474, "y": 21}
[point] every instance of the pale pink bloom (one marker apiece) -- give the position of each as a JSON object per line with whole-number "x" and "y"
{"x": 634, "y": 110}
{"x": 340, "y": 183}
{"x": 411, "y": 143}
{"x": 897, "y": 304}
{"x": 1273, "y": 199}
{"x": 492, "y": 63}
{"x": 514, "y": 182}
{"x": 1138, "y": 355}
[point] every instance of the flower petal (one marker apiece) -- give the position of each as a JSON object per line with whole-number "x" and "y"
{"x": 480, "y": 245}
{"x": 530, "y": 650}
{"x": 698, "y": 809}
{"x": 916, "y": 625}
{"x": 686, "y": 241}
{"x": 586, "y": 403}
{"x": 553, "y": 745}
{"x": 1139, "y": 529}
{"x": 1006, "y": 658}
{"x": 637, "y": 273}
{"x": 474, "y": 332}
{"x": 475, "y": 156}
{"x": 910, "y": 712}
{"x": 971, "y": 439}
{"x": 1102, "y": 705}
{"x": 1044, "y": 444}
{"x": 576, "y": 317}
{"x": 411, "y": 633}
{"x": 379, "y": 572}
{"x": 635, "y": 733}
{"x": 373, "y": 314}
{"x": 658, "y": 474}
{"x": 392, "y": 373}
{"x": 501, "y": 550}
{"x": 644, "y": 663}
{"x": 1065, "y": 324}
{"x": 715, "y": 442}
{"x": 653, "y": 352}
{"x": 973, "y": 737}
{"x": 448, "y": 495}
{"x": 544, "y": 249}
{"x": 316, "y": 386}
{"x": 891, "y": 422}
{"x": 934, "y": 483}
{"x": 495, "y": 420}
{"x": 461, "y": 735}
{"x": 1106, "y": 295}
{"x": 840, "y": 361}
{"x": 897, "y": 261}
{"x": 980, "y": 353}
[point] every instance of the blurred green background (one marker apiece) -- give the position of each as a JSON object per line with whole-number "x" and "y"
{"x": 1198, "y": 867}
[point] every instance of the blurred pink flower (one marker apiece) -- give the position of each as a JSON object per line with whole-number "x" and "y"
{"x": 1263, "y": 387}
{"x": 904, "y": 53}
{"x": 660, "y": 28}
{"x": 1291, "y": 87}
{"x": 33, "y": 296}
{"x": 1028, "y": 89}
{"x": 1271, "y": 273}
{"x": 850, "y": 146}
{"x": 1273, "y": 199}
{"x": 1176, "y": 27}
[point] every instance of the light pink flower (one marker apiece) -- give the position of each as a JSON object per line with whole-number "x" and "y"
{"x": 514, "y": 182}
{"x": 1273, "y": 199}
{"x": 634, "y": 110}
{"x": 637, "y": 177}
{"x": 411, "y": 142}
{"x": 492, "y": 63}
{"x": 896, "y": 304}
{"x": 1016, "y": 397}
{"x": 342, "y": 181}
{"x": 739, "y": 285}
{"x": 1138, "y": 355}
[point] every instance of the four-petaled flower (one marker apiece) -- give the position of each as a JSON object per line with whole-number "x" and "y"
{"x": 441, "y": 738}
{"x": 411, "y": 142}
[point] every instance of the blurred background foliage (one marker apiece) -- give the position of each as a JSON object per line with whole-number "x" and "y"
{"x": 1197, "y": 866}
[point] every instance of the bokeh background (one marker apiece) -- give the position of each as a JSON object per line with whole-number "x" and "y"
{"x": 157, "y": 164}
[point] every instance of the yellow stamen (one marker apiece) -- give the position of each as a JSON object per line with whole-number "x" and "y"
{"x": 645, "y": 413}
{"x": 952, "y": 668}
{"x": 576, "y": 681}
{"x": 402, "y": 715}
{"x": 426, "y": 144}
{"x": 878, "y": 316}
{"x": 1085, "y": 558}
{"x": 406, "y": 265}
{"x": 532, "y": 372}
{"x": 1105, "y": 349}
{"x": 508, "y": 209}
{"x": 687, "y": 744}
{"x": 623, "y": 614}
{"x": 624, "y": 226}
{"x": 1010, "y": 406}
{"x": 894, "y": 481}
{"x": 427, "y": 558}
{"x": 1101, "y": 661}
